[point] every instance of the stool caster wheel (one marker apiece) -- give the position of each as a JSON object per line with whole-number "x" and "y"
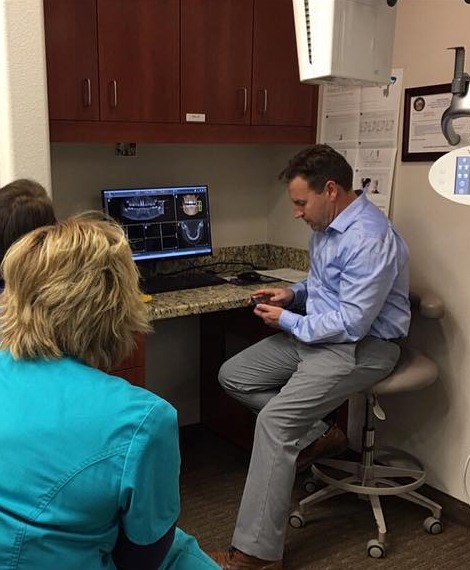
{"x": 432, "y": 525}
{"x": 310, "y": 486}
{"x": 375, "y": 549}
{"x": 296, "y": 520}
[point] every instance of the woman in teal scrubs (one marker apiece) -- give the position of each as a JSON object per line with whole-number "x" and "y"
{"x": 90, "y": 463}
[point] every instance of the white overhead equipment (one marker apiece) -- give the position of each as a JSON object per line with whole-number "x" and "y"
{"x": 344, "y": 42}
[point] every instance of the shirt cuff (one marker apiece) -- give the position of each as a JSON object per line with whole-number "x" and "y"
{"x": 288, "y": 320}
{"x": 300, "y": 294}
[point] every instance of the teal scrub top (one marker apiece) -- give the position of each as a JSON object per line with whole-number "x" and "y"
{"x": 84, "y": 453}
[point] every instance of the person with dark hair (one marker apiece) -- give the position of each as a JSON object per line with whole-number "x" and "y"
{"x": 365, "y": 186}
{"x": 24, "y": 206}
{"x": 337, "y": 332}
{"x": 90, "y": 463}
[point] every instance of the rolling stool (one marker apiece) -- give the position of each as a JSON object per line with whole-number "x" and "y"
{"x": 366, "y": 478}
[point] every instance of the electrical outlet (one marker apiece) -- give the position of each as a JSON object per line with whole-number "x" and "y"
{"x": 125, "y": 149}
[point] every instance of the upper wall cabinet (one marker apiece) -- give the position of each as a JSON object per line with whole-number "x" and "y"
{"x": 72, "y": 59}
{"x": 216, "y": 49}
{"x": 239, "y": 63}
{"x": 176, "y": 71}
{"x": 278, "y": 97}
{"x": 139, "y": 55}
{"x": 137, "y": 46}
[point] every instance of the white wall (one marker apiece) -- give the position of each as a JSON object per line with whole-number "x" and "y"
{"x": 239, "y": 179}
{"x": 283, "y": 229}
{"x": 435, "y": 422}
{"x": 24, "y": 133}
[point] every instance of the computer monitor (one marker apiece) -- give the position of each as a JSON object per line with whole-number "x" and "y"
{"x": 162, "y": 222}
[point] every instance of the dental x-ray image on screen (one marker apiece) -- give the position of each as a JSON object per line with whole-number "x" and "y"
{"x": 162, "y": 222}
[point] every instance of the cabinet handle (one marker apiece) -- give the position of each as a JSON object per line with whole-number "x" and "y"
{"x": 243, "y": 93}
{"x": 87, "y": 92}
{"x": 114, "y": 94}
{"x": 264, "y": 109}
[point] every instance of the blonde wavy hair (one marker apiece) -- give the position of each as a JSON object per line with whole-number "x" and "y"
{"x": 72, "y": 289}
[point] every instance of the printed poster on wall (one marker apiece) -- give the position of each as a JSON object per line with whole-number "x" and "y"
{"x": 362, "y": 124}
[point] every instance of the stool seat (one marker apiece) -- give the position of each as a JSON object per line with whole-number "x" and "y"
{"x": 414, "y": 371}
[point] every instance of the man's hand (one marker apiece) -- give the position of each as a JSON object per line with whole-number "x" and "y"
{"x": 274, "y": 296}
{"x": 269, "y": 313}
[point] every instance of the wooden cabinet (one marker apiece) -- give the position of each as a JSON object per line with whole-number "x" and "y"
{"x": 239, "y": 63}
{"x": 278, "y": 97}
{"x": 122, "y": 70}
{"x": 72, "y": 59}
{"x": 113, "y": 60}
{"x": 220, "y": 412}
{"x": 216, "y": 50}
{"x": 139, "y": 57}
{"x": 132, "y": 368}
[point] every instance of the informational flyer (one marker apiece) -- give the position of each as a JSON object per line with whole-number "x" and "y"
{"x": 362, "y": 124}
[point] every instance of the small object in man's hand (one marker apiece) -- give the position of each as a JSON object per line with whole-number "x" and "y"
{"x": 257, "y": 300}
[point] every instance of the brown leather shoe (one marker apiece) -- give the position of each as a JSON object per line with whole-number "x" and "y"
{"x": 331, "y": 443}
{"x": 233, "y": 559}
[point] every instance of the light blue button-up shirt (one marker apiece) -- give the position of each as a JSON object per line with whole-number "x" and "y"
{"x": 358, "y": 283}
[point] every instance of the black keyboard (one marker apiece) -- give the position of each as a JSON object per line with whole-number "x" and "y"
{"x": 164, "y": 283}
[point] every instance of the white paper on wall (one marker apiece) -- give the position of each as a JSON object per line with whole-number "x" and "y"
{"x": 362, "y": 124}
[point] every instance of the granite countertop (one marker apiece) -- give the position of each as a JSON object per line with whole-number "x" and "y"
{"x": 204, "y": 299}
{"x": 229, "y": 261}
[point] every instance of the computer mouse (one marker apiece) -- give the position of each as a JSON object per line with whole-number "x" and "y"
{"x": 249, "y": 276}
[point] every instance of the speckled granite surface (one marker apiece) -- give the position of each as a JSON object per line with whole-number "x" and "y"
{"x": 226, "y": 261}
{"x": 232, "y": 260}
{"x": 263, "y": 256}
{"x": 203, "y": 300}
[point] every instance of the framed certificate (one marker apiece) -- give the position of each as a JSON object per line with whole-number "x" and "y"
{"x": 423, "y": 139}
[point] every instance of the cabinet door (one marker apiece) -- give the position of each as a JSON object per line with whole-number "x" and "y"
{"x": 135, "y": 376}
{"x": 139, "y": 57}
{"x": 72, "y": 59}
{"x": 278, "y": 96}
{"x": 216, "y": 40}
{"x": 132, "y": 368}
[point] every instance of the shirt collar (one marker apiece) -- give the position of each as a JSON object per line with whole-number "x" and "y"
{"x": 345, "y": 218}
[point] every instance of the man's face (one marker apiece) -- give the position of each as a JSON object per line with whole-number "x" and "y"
{"x": 317, "y": 210}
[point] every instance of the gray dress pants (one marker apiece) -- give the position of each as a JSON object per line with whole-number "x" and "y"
{"x": 292, "y": 386}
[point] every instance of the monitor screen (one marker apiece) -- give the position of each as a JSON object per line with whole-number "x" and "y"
{"x": 164, "y": 222}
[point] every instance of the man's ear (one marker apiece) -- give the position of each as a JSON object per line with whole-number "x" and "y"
{"x": 332, "y": 190}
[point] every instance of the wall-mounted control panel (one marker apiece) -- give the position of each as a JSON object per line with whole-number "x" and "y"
{"x": 450, "y": 175}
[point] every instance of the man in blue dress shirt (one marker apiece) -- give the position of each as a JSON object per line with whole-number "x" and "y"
{"x": 337, "y": 332}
